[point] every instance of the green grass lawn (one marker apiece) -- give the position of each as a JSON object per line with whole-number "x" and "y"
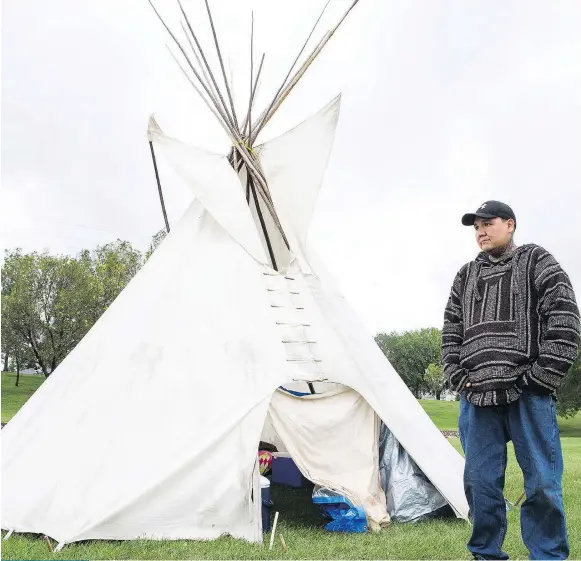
{"x": 445, "y": 416}
{"x": 302, "y": 527}
{"x": 443, "y": 413}
{"x": 13, "y": 398}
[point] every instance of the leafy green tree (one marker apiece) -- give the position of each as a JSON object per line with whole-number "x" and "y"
{"x": 411, "y": 352}
{"x": 17, "y": 304}
{"x": 16, "y": 351}
{"x": 155, "y": 241}
{"x": 49, "y": 302}
{"x": 112, "y": 266}
{"x": 435, "y": 379}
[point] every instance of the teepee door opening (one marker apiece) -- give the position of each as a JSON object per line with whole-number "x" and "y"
{"x": 342, "y": 449}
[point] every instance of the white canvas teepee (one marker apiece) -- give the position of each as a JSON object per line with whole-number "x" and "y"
{"x": 171, "y": 453}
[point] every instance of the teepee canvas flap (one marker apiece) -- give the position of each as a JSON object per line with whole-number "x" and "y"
{"x": 215, "y": 184}
{"x": 294, "y": 164}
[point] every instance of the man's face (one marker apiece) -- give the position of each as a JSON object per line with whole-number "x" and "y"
{"x": 493, "y": 233}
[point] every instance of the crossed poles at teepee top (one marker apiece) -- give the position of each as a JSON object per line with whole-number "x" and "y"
{"x": 242, "y": 137}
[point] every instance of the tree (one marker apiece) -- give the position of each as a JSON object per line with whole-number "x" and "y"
{"x": 112, "y": 266}
{"x": 21, "y": 356}
{"x": 434, "y": 379}
{"x": 569, "y": 394}
{"x": 155, "y": 241}
{"x": 13, "y": 344}
{"x": 411, "y": 352}
{"x": 17, "y": 303}
{"x": 49, "y": 303}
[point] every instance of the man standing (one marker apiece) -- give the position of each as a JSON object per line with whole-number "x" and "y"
{"x": 511, "y": 332}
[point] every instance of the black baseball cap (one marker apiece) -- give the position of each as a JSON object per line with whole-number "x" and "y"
{"x": 489, "y": 209}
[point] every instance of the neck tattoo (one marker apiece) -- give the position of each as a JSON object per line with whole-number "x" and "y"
{"x": 503, "y": 251}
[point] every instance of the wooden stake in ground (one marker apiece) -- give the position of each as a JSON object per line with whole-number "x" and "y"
{"x": 273, "y": 531}
{"x": 46, "y": 539}
{"x": 520, "y": 499}
{"x": 283, "y": 543}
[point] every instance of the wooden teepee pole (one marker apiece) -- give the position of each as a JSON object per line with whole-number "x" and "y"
{"x": 218, "y": 52}
{"x": 274, "y": 99}
{"x": 159, "y": 187}
{"x": 281, "y": 95}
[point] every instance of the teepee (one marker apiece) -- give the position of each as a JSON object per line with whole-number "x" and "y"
{"x": 237, "y": 288}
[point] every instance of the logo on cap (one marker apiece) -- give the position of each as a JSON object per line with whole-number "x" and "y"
{"x": 483, "y": 206}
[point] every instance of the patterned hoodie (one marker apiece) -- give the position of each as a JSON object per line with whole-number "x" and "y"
{"x": 510, "y": 323}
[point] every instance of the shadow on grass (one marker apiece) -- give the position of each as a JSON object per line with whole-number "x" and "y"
{"x": 297, "y": 507}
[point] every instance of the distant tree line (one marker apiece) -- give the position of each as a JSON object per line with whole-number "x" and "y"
{"x": 50, "y": 302}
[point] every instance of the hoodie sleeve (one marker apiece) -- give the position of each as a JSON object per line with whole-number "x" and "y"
{"x": 559, "y": 316}
{"x": 453, "y": 335}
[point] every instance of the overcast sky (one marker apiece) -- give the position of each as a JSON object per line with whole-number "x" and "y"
{"x": 446, "y": 103}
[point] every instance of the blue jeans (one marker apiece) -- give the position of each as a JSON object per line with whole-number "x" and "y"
{"x": 531, "y": 424}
